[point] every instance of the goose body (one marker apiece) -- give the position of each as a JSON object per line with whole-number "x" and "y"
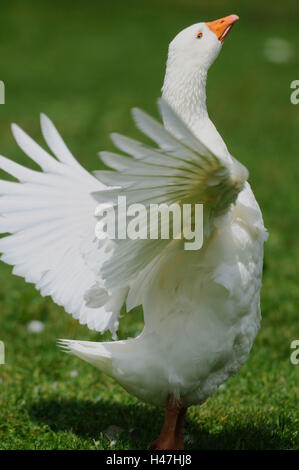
{"x": 196, "y": 334}
{"x": 201, "y": 308}
{"x": 201, "y": 315}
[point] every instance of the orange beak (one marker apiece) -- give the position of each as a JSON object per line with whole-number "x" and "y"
{"x": 223, "y": 26}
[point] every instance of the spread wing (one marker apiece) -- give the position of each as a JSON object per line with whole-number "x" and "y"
{"x": 50, "y": 214}
{"x": 50, "y": 218}
{"x": 181, "y": 170}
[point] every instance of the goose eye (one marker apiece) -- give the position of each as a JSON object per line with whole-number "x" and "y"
{"x": 199, "y": 35}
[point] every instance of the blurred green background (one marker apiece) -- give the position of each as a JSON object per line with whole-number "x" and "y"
{"x": 85, "y": 64}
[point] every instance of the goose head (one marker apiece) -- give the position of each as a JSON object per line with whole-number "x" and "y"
{"x": 191, "y": 53}
{"x": 198, "y": 45}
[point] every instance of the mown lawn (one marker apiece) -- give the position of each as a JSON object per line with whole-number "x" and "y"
{"x": 86, "y": 64}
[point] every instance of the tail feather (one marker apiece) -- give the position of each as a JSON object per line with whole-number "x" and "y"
{"x": 95, "y": 353}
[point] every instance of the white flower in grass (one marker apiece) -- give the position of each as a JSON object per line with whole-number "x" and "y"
{"x": 278, "y": 50}
{"x": 35, "y": 326}
{"x": 74, "y": 373}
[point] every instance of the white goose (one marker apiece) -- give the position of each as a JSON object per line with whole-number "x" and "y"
{"x": 201, "y": 308}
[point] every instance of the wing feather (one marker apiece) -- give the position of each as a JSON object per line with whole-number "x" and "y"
{"x": 182, "y": 170}
{"x": 50, "y": 214}
{"x": 50, "y": 217}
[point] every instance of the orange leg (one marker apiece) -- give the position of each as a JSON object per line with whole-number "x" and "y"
{"x": 171, "y": 437}
{"x": 179, "y": 443}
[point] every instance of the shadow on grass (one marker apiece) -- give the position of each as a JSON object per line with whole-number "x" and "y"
{"x": 89, "y": 419}
{"x": 141, "y": 424}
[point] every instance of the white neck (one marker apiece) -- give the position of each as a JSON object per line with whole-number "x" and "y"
{"x": 186, "y": 93}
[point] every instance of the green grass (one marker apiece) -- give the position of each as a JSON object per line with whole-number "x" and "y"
{"x": 85, "y": 65}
